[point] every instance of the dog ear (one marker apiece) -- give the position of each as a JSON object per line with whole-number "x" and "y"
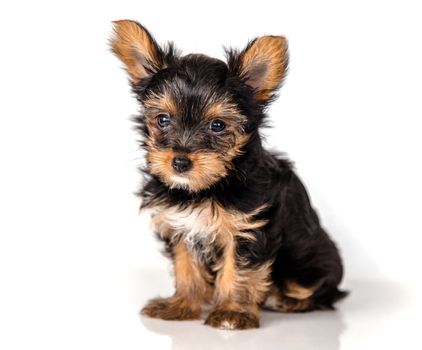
{"x": 262, "y": 65}
{"x": 137, "y": 49}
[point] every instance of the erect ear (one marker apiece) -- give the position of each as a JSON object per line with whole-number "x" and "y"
{"x": 137, "y": 49}
{"x": 262, "y": 65}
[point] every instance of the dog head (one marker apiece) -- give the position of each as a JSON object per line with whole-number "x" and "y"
{"x": 198, "y": 113}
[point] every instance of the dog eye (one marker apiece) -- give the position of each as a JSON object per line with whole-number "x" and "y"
{"x": 217, "y": 125}
{"x": 163, "y": 120}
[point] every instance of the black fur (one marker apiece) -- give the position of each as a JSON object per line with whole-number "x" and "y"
{"x": 293, "y": 237}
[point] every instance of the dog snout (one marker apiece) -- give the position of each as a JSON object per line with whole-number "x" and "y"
{"x": 181, "y": 164}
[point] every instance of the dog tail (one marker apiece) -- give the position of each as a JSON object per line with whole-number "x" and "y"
{"x": 326, "y": 299}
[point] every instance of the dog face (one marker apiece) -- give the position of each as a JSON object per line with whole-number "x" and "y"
{"x": 198, "y": 113}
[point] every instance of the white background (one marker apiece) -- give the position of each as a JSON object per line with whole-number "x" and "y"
{"x": 77, "y": 261}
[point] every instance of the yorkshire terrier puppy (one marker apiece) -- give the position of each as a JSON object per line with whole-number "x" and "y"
{"x": 235, "y": 219}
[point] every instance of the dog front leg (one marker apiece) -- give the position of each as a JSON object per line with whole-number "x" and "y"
{"x": 191, "y": 289}
{"x": 239, "y": 291}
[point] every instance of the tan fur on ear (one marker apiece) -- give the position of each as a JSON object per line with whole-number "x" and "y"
{"x": 136, "y": 49}
{"x": 264, "y": 64}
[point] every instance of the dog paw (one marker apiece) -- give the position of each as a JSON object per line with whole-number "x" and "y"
{"x": 232, "y": 320}
{"x": 170, "y": 309}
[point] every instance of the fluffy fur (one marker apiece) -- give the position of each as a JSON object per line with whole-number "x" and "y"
{"x": 236, "y": 220}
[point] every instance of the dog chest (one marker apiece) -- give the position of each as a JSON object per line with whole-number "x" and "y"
{"x": 199, "y": 226}
{"x": 206, "y": 227}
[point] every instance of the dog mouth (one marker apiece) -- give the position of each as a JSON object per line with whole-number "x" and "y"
{"x": 182, "y": 168}
{"x": 180, "y": 181}
{"x": 193, "y": 171}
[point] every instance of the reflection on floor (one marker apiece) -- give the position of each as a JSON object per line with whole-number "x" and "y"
{"x": 366, "y": 318}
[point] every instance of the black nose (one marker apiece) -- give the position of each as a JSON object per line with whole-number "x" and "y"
{"x": 181, "y": 164}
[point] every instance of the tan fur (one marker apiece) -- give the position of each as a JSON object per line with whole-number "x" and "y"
{"x": 239, "y": 288}
{"x": 159, "y": 103}
{"x": 207, "y": 218}
{"x": 191, "y": 278}
{"x": 227, "y": 275}
{"x": 130, "y": 42}
{"x": 173, "y": 308}
{"x": 232, "y": 319}
{"x": 207, "y": 222}
{"x": 191, "y": 290}
{"x": 269, "y": 52}
{"x": 236, "y": 150}
{"x": 238, "y": 292}
{"x": 278, "y": 301}
{"x": 223, "y": 109}
{"x": 293, "y": 305}
{"x": 207, "y": 169}
{"x": 296, "y": 291}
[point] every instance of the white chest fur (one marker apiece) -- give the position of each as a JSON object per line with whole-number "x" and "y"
{"x": 199, "y": 227}
{"x": 191, "y": 222}
{"x": 204, "y": 226}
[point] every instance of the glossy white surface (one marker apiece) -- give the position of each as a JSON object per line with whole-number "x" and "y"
{"x": 76, "y": 260}
{"x": 93, "y": 310}
{"x": 377, "y": 314}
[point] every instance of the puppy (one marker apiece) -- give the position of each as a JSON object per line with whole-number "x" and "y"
{"x": 235, "y": 219}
